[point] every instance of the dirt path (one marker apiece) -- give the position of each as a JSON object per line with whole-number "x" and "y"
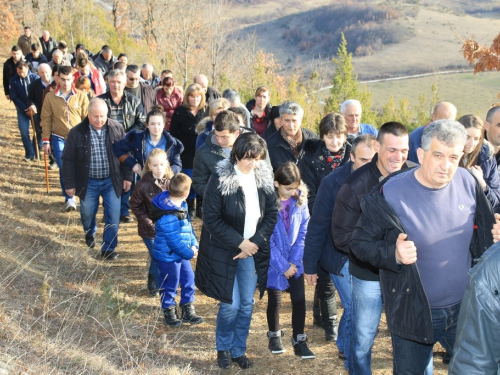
{"x": 63, "y": 310}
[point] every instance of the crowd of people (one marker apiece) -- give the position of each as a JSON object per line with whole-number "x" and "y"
{"x": 383, "y": 217}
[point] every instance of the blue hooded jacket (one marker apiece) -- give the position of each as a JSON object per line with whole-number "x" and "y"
{"x": 288, "y": 247}
{"x": 174, "y": 232}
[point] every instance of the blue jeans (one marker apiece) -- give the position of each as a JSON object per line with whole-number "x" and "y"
{"x": 57, "y": 143}
{"x": 412, "y": 357}
{"x": 343, "y": 286}
{"x": 88, "y": 209}
{"x": 366, "y": 312}
{"x": 171, "y": 274}
{"x": 24, "y": 124}
{"x": 153, "y": 263}
{"x": 233, "y": 320}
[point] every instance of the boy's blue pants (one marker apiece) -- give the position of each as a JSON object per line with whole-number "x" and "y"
{"x": 171, "y": 274}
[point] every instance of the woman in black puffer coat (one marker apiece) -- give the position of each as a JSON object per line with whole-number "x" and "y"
{"x": 239, "y": 215}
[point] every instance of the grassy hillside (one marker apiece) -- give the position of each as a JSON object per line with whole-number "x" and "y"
{"x": 470, "y": 93}
{"x": 433, "y": 45}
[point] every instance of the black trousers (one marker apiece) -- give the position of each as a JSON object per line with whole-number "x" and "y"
{"x": 298, "y": 298}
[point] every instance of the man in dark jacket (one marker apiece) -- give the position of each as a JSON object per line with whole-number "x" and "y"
{"x": 128, "y": 111}
{"x": 366, "y": 294}
{"x": 287, "y": 144}
{"x": 141, "y": 90}
{"x": 440, "y": 212}
{"x": 19, "y": 88}
{"x": 90, "y": 170}
{"x": 319, "y": 250}
{"x": 210, "y": 92}
{"x": 217, "y": 147}
{"x": 48, "y": 44}
{"x": 104, "y": 60}
{"x": 9, "y": 68}
{"x": 492, "y": 128}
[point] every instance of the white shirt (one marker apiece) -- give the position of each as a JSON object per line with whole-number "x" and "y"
{"x": 252, "y": 206}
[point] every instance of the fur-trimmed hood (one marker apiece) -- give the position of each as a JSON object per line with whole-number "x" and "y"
{"x": 202, "y": 125}
{"x": 302, "y": 196}
{"x": 228, "y": 181}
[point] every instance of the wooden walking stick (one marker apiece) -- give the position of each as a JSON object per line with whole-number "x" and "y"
{"x": 34, "y": 136}
{"x": 46, "y": 172}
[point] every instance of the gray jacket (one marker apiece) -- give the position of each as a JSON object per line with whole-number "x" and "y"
{"x": 477, "y": 347}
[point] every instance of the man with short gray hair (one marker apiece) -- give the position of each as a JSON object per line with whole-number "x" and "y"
{"x": 149, "y": 76}
{"x": 234, "y": 99}
{"x": 210, "y": 92}
{"x": 90, "y": 170}
{"x": 424, "y": 229}
{"x": 287, "y": 144}
{"x": 351, "y": 110}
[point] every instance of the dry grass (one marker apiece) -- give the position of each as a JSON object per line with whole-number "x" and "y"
{"x": 64, "y": 311}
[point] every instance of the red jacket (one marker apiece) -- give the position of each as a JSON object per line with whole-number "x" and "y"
{"x": 96, "y": 78}
{"x": 169, "y": 104}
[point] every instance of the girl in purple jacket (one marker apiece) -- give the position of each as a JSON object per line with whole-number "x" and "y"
{"x": 286, "y": 271}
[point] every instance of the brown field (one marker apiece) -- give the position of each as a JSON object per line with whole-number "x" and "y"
{"x": 64, "y": 311}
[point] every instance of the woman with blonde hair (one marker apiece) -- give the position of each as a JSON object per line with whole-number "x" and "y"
{"x": 183, "y": 127}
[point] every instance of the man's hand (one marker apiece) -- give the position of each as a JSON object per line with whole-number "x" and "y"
{"x": 70, "y": 192}
{"x": 46, "y": 149}
{"x": 8, "y": 97}
{"x": 126, "y": 185}
{"x": 31, "y": 110}
{"x": 496, "y": 229}
{"x": 137, "y": 169}
{"x": 311, "y": 279}
{"x": 406, "y": 252}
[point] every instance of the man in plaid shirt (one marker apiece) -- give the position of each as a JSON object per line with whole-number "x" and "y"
{"x": 90, "y": 170}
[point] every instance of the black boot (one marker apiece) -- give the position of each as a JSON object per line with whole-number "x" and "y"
{"x": 171, "y": 318}
{"x": 189, "y": 314}
{"x": 316, "y": 309}
{"x": 190, "y": 203}
{"x": 329, "y": 319}
{"x": 152, "y": 285}
{"x": 199, "y": 209}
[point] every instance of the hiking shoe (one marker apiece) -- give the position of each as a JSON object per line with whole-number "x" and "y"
{"x": 29, "y": 159}
{"x": 70, "y": 205}
{"x": 300, "y": 347}
{"x": 243, "y": 362}
{"x": 189, "y": 314}
{"x": 152, "y": 285}
{"x": 171, "y": 318}
{"x": 109, "y": 255}
{"x": 223, "y": 357}
{"x": 53, "y": 166}
{"x": 275, "y": 343}
{"x": 90, "y": 241}
{"x": 127, "y": 219}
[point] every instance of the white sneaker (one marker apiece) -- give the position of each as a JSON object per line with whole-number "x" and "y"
{"x": 70, "y": 205}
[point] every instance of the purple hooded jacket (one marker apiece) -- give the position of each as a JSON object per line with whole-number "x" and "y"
{"x": 288, "y": 247}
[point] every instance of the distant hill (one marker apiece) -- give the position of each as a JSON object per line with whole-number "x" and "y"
{"x": 367, "y": 27}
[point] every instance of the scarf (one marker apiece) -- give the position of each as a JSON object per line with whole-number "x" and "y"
{"x": 294, "y": 142}
{"x": 334, "y": 158}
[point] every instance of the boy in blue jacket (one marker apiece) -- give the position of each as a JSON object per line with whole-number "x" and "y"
{"x": 174, "y": 245}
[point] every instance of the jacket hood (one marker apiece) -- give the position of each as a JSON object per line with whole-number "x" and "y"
{"x": 228, "y": 181}
{"x": 162, "y": 205}
{"x": 205, "y": 124}
{"x": 486, "y": 153}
